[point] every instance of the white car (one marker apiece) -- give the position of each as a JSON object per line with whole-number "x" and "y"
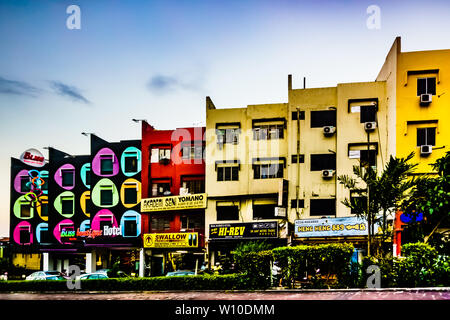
{"x": 90, "y": 276}
{"x": 43, "y": 275}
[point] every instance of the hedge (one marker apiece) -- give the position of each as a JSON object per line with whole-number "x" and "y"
{"x": 203, "y": 282}
{"x": 317, "y": 266}
{"x": 257, "y": 267}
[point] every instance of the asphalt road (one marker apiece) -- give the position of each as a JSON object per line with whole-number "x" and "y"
{"x": 406, "y": 294}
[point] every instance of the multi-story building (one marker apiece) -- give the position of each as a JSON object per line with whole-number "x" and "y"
{"x": 174, "y": 199}
{"x": 115, "y": 196}
{"x": 418, "y": 106}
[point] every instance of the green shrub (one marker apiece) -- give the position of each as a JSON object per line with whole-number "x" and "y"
{"x": 386, "y": 265}
{"x": 206, "y": 282}
{"x": 316, "y": 265}
{"x": 256, "y": 266}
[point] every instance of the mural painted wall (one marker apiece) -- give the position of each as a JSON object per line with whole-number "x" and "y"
{"x": 69, "y": 194}
{"x": 29, "y": 206}
{"x": 115, "y": 192}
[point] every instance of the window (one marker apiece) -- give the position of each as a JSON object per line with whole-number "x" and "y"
{"x": 301, "y": 113}
{"x": 67, "y": 177}
{"x": 88, "y": 204}
{"x": 268, "y": 132}
{"x": 130, "y": 227}
{"x": 191, "y": 222}
{"x": 193, "y": 151}
{"x": 161, "y": 188}
{"x": 228, "y": 133}
{"x": 131, "y": 162}
{"x": 106, "y": 196}
{"x": 301, "y": 203}
{"x": 321, "y": 162}
{"x": 44, "y": 209}
{"x": 160, "y": 223}
{"x": 106, "y": 164}
{"x": 45, "y": 236}
{"x": 368, "y": 114}
{"x": 228, "y": 173}
{"x": 426, "y": 136}
{"x": 426, "y": 85}
{"x": 23, "y": 184}
{"x": 130, "y": 195}
{"x": 371, "y": 157}
{"x": 67, "y": 205}
{"x": 268, "y": 168}
{"x": 264, "y": 209}
{"x": 227, "y": 210}
{"x": 24, "y": 234}
{"x": 25, "y": 210}
{"x": 294, "y": 158}
{"x": 323, "y": 118}
{"x": 161, "y": 154}
{"x": 193, "y": 185}
{"x": 322, "y": 207}
{"x": 88, "y": 176}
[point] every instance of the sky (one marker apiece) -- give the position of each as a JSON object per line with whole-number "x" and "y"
{"x": 158, "y": 60}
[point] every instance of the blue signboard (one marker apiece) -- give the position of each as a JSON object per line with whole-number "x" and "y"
{"x": 331, "y": 227}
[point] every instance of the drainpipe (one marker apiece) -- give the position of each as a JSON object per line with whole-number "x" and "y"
{"x": 297, "y": 189}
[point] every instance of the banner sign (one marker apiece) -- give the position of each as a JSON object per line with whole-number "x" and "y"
{"x": 171, "y": 240}
{"x": 33, "y": 157}
{"x": 332, "y": 227}
{"x": 243, "y": 230}
{"x": 192, "y": 201}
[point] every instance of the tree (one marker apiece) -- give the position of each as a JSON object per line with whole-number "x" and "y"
{"x": 431, "y": 197}
{"x": 386, "y": 192}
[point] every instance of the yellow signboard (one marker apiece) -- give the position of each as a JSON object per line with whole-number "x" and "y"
{"x": 191, "y": 201}
{"x": 171, "y": 240}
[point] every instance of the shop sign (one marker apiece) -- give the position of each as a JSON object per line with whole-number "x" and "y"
{"x": 244, "y": 230}
{"x": 171, "y": 240}
{"x": 331, "y": 227}
{"x": 111, "y": 231}
{"x": 192, "y": 201}
{"x": 33, "y": 157}
{"x": 89, "y": 233}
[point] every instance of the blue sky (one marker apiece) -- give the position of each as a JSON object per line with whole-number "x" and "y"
{"x": 158, "y": 60}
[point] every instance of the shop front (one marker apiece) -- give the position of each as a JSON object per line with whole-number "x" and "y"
{"x": 225, "y": 237}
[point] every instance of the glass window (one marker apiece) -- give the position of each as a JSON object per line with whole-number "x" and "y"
{"x": 23, "y": 183}
{"x": 160, "y": 223}
{"x": 228, "y": 135}
{"x": 160, "y": 189}
{"x": 106, "y": 197}
{"x": 264, "y": 211}
{"x": 131, "y": 163}
{"x": 66, "y": 206}
{"x": 130, "y": 227}
{"x": 88, "y": 176}
{"x": 24, "y": 235}
{"x": 268, "y": 132}
{"x": 106, "y": 164}
{"x": 45, "y": 236}
{"x": 228, "y": 173}
{"x": 227, "y": 212}
{"x": 164, "y": 154}
{"x": 88, "y": 204}
{"x": 268, "y": 171}
{"x": 25, "y": 210}
{"x": 322, "y": 207}
{"x": 426, "y": 86}
{"x": 368, "y": 114}
{"x": 323, "y": 118}
{"x": 193, "y": 185}
{"x": 67, "y": 178}
{"x": 191, "y": 222}
{"x": 44, "y": 209}
{"x": 130, "y": 195}
{"x": 321, "y": 162}
{"x": 426, "y": 136}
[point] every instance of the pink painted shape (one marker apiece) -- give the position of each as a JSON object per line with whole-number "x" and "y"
{"x": 58, "y": 176}
{"x": 16, "y": 233}
{"x": 96, "y": 163}
{"x": 22, "y": 173}
{"x": 95, "y": 225}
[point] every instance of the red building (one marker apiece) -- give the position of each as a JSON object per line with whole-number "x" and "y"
{"x": 173, "y": 165}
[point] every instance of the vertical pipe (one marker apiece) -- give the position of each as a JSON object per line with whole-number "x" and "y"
{"x": 369, "y": 215}
{"x": 297, "y": 189}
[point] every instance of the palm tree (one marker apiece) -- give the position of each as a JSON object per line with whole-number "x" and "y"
{"x": 375, "y": 194}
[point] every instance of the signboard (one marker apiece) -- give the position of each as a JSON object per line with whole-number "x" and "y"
{"x": 171, "y": 240}
{"x": 243, "y": 230}
{"x": 331, "y": 227}
{"x": 33, "y": 157}
{"x": 192, "y": 201}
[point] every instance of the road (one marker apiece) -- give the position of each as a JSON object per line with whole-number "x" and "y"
{"x": 402, "y": 294}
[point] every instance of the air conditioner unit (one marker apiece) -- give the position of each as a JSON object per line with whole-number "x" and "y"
{"x": 329, "y": 130}
{"x": 368, "y": 126}
{"x": 280, "y": 212}
{"x": 425, "y": 99}
{"x": 327, "y": 173}
{"x": 425, "y": 150}
{"x": 184, "y": 191}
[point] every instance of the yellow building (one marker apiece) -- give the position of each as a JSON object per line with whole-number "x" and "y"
{"x": 30, "y": 261}
{"x": 419, "y": 99}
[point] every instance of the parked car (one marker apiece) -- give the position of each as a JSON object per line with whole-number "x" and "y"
{"x": 92, "y": 276}
{"x": 41, "y": 275}
{"x": 180, "y": 273}
{"x": 54, "y": 277}
{"x": 120, "y": 274}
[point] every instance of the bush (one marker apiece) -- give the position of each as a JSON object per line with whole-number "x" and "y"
{"x": 207, "y": 282}
{"x": 319, "y": 266}
{"x": 256, "y": 266}
{"x": 386, "y": 265}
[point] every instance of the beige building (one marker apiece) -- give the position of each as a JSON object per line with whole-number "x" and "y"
{"x": 251, "y": 151}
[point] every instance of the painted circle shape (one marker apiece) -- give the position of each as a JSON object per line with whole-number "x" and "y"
{"x": 58, "y": 175}
{"x": 129, "y": 151}
{"x": 131, "y": 215}
{"x": 96, "y": 163}
{"x": 58, "y": 205}
{"x": 16, "y": 232}
{"x": 96, "y": 193}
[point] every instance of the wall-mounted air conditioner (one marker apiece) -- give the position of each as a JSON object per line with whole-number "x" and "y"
{"x": 425, "y": 150}
{"x": 327, "y": 173}
{"x": 329, "y": 130}
{"x": 369, "y": 126}
{"x": 425, "y": 99}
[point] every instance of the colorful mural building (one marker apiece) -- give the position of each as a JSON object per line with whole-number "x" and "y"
{"x": 178, "y": 198}
{"x": 174, "y": 198}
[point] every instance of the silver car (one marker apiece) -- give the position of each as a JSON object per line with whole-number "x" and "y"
{"x": 42, "y": 275}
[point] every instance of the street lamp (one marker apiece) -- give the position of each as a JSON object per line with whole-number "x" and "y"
{"x": 139, "y": 120}
{"x": 86, "y": 134}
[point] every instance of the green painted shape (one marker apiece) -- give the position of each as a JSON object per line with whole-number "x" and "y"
{"x": 58, "y": 203}
{"x": 104, "y": 184}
